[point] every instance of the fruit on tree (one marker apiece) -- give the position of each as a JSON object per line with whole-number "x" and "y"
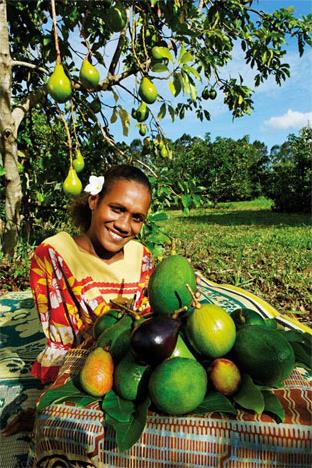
{"x": 96, "y": 375}
{"x": 211, "y": 330}
{"x": 167, "y": 288}
{"x": 178, "y": 385}
{"x": 116, "y": 18}
{"x": 72, "y": 184}
{"x": 148, "y": 91}
{"x": 59, "y": 85}
{"x": 142, "y": 112}
{"x": 205, "y": 93}
{"x": 225, "y": 376}
{"x": 78, "y": 162}
{"x": 89, "y": 75}
{"x": 142, "y": 130}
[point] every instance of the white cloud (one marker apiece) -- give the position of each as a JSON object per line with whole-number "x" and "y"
{"x": 291, "y": 119}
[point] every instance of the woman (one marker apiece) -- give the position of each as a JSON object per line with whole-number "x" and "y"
{"x": 73, "y": 279}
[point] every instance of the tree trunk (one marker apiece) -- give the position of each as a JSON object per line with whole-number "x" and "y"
{"x": 8, "y": 141}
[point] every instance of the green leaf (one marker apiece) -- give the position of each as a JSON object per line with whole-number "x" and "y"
{"x": 182, "y": 52}
{"x": 186, "y": 57}
{"x": 249, "y": 396}
{"x": 59, "y": 394}
{"x": 110, "y": 336}
{"x": 186, "y": 83}
{"x": 159, "y": 68}
{"x": 164, "y": 52}
{"x": 158, "y": 216}
{"x": 158, "y": 238}
{"x": 272, "y": 405}
{"x": 215, "y": 402}
{"x": 2, "y": 171}
{"x": 171, "y": 112}
{"x": 118, "y": 408}
{"x": 303, "y": 358}
{"x": 127, "y": 434}
{"x": 114, "y": 116}
{"x": 116, "y": 97}
{"x": 172, "y": 88}
{"x": 193, "y": 92}
{"x": 125, "y": 120}
{"x": 193, "y": 71}
{"x": 162, "y": 111}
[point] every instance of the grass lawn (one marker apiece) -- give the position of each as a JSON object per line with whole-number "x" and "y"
{"x": 248, "y": 245}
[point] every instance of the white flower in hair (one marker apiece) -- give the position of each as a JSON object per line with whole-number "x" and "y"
{"x": 95, "y": 185}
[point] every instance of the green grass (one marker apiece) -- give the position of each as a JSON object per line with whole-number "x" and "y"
{"x": 248, "y": 245}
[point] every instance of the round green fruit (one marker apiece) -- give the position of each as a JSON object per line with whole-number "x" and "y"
{"x": 205, "y": 93}
{"x": 264, "y": 354}
{"x": 212, "y": 94}
{"x": 244, "y": 316}
{"x": 178, "y": 385}
{"x": 131, "y": 378}
{"x": 211, "y": 330}
{"x": 167, "y": 290}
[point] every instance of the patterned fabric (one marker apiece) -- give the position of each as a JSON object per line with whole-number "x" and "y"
{"x": 66, "y": 435}
{"x": 78, "y": 434}
{"x": 21, "y": 339}
{"x": 72, "y": 288}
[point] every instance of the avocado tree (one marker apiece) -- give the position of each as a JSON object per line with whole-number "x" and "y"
{"x": 100, "y": 55}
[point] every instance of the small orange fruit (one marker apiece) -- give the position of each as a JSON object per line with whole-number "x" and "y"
{"x": 96, "y": 375}
{"x": 225, "y": 376}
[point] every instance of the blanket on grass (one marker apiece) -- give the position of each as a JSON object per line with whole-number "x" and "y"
{"x": 167, "y": 441}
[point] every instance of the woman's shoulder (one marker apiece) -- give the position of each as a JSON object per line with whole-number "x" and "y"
{"x": 56, "y": 242}
{"x": 137, "y": 250}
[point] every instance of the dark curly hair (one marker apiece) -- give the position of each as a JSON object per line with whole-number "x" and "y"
{"x": 79, "y": 209}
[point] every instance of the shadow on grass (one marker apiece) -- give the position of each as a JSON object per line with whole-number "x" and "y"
{"x": 249, "y": 217}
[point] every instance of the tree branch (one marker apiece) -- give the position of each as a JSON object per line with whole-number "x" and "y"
{"x": 30, "y": 101}
{"x": 117, "y": 54}
{"x": 18, "y": 63}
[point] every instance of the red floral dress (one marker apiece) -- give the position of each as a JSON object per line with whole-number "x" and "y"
{"x": 71, "y": 288}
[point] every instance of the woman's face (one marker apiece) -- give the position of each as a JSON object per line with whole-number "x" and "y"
{"x": 118, "y": 216}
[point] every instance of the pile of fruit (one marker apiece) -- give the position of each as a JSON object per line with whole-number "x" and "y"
{"x": 185, "y": 357}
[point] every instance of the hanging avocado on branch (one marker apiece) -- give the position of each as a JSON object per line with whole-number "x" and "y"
{"x": 142, "y": 112}
{"x": 78, "y": 162}
{"x": 148, "y": 91}
{"x": 72, "y": 184}
{"x": 116, "y": 18}
{"x": 59, "y": 86}
{"x": 89, "y": 75}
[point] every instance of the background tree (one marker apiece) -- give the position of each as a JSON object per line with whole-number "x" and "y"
{"x": 290, "y": 178}
{"x": 183, "y": 43}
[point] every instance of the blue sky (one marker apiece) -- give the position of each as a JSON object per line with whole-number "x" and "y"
{"x": 278, "y": 111}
